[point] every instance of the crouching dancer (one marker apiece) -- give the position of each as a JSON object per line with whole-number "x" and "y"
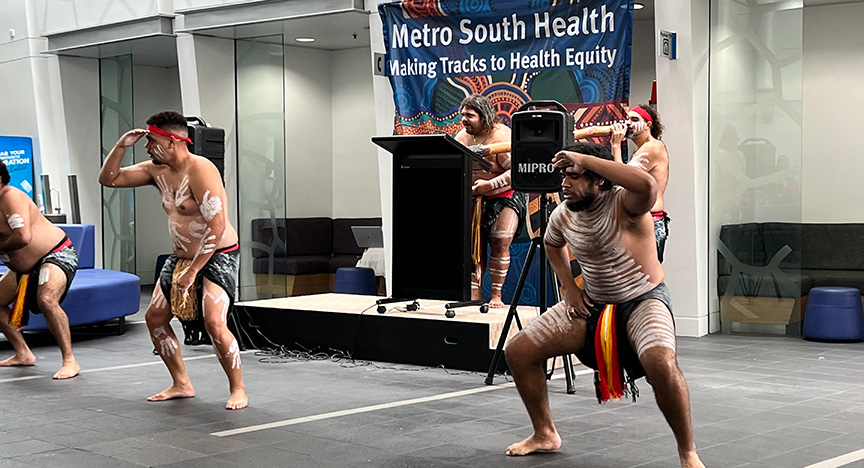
{"x": 42, "y": 263}
{"x": 621, "y": 320}
{"x": 202, "y": 272}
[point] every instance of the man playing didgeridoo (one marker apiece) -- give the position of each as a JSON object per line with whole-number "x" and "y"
{"x": 498, "y": 210}
{"x": 42, "y": 263}
{"x": 202, "y": 273}
{"x": 622, "y": 319}
{"x": 643, "y": 127}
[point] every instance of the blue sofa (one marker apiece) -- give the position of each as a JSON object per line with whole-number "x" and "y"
{"x": 96, "y": 295}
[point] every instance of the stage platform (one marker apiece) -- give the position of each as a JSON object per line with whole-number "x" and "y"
{"x": 347, "y": 322}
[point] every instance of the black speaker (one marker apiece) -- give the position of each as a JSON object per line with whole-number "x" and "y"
{"x": 207, "y": 141}
{"x": 536, "y": 136}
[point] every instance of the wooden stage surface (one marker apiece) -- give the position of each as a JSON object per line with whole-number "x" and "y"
{"x": 350, "y": 323}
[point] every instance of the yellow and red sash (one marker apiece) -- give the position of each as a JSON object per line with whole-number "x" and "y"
{"x": 20, "y": 308}
{"x": 609, "y": 372}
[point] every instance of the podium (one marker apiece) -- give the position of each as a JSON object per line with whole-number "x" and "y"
{"x": 432, "y": 177}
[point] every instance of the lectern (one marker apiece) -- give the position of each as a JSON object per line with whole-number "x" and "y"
{"x": 431, "y": 216}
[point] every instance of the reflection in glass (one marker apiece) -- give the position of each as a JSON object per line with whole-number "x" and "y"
{"x": 755, "y": 164}
{"x": 118, "y": 205}
{"x": 261, "y": 160}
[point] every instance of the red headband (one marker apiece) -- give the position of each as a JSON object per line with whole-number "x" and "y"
{"x": 639, "y": 110}
{"x": 165, "y": 133}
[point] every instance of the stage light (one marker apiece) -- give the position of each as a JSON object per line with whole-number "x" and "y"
{"x": 638, "y": 6}
{"x": 305, "y": 39}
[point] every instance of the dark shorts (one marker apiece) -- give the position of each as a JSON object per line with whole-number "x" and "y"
{"x": 221, "y": 269}
{"x": 492, "y": 208}
{"x": 66, "y": 258}
{"x": 661, "y": 232}
{"x": 626, "y": 354}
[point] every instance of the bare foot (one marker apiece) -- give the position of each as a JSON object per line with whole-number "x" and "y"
{"x": 497, "y": 304}
{"x": 238, "y": 400}
{"x": 535, "y": 443}
{"x": 67, "y": 371}
{"x": 174, "y": 392}
{"x": 16, "y": 360}
{"x": 690, "y": 460}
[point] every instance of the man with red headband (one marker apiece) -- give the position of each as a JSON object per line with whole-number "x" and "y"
{"x": 643, "y": 127}
{"x": 201, "y": 275}
{"x": 42, "y": 263}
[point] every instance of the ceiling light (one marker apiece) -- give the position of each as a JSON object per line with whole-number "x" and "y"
{"x": 638, "y": 6}
{"x": 305, "y": 39}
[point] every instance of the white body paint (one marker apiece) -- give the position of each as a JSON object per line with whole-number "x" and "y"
{"x": 640, "y": 160}
{"x": 158, "y": 301}
{"x": 15, "y": 221}
{"x": 183, "y": 192}
{"x": 178, "y": 239}
{"x": 44, "y": 275}
{"x": 166, "y": 345}
{"x": 159, "y": 153}
{"x": 234, "y": 354}
{"x": 223, "y": 299}
{"x": 611, "y": 274}
{"x": 210, "y": 206}
{"x": 167, "y": 191}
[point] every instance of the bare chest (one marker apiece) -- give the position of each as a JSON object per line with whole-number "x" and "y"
{"x": 177, "y": 196}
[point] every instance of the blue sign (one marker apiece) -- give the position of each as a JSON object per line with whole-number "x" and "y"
{"x": 17, "y": 153}
{"x": 511, "y": 51}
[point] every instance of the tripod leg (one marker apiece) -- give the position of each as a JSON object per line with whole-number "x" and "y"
{"x": 496, "y": 357}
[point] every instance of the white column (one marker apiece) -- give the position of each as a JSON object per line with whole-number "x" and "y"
{"x": 682, "y": 100}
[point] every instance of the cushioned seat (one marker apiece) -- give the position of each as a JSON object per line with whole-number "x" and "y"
{"x": 834, "y": 313}
{"x": 355, "y": 281}
{"x": 295, "y": 265}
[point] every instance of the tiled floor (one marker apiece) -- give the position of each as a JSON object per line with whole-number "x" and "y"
{"x": 757, "y": 402}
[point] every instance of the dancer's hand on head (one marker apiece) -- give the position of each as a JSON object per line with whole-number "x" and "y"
{"x": 578, "y": 301}
{"x": 619, "y": 132}
{"x": 131, "y": 137}
{"x": 564, "y": 159}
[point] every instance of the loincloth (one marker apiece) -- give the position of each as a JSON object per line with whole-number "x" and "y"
{"x": 221, "y": 269}
{"x": 65, "y": 257}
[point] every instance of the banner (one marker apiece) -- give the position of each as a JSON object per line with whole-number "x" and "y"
{"x": 17, "y": 153}
{"x": 512, "y": 51}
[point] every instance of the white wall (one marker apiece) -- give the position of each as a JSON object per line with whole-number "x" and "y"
{"x": 832, "y": 159}
{"x": 356, "y": 192}
{"x": 62, "y": 16}
{"x": 682, "y": 100}
{"x": 308, "y": 133}
{"x": 153, "y": 90}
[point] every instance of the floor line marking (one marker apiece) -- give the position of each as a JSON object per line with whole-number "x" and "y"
{"x": 103, "y": 369}
{"x": 366, "y": 409}
{"x": 839, "y": 461}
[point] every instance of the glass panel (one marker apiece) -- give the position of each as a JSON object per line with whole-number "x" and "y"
{"x": 118, "y": 205}
{"x": 755, "y": 164}
{"x": 260, "y": 163}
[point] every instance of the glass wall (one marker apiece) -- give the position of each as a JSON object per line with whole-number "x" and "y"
{"x": 755, "y": 164}
{"x": 118, "y": 205}
{"x": 260, "y": 163}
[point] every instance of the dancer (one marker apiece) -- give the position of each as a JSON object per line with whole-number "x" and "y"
{"x": 643, "y": 127}
{"x": 202, "y": 272}
{"x": 622, "y": 319}
{"x": 42, "y": 263}
{"x": 498, "y": 210}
